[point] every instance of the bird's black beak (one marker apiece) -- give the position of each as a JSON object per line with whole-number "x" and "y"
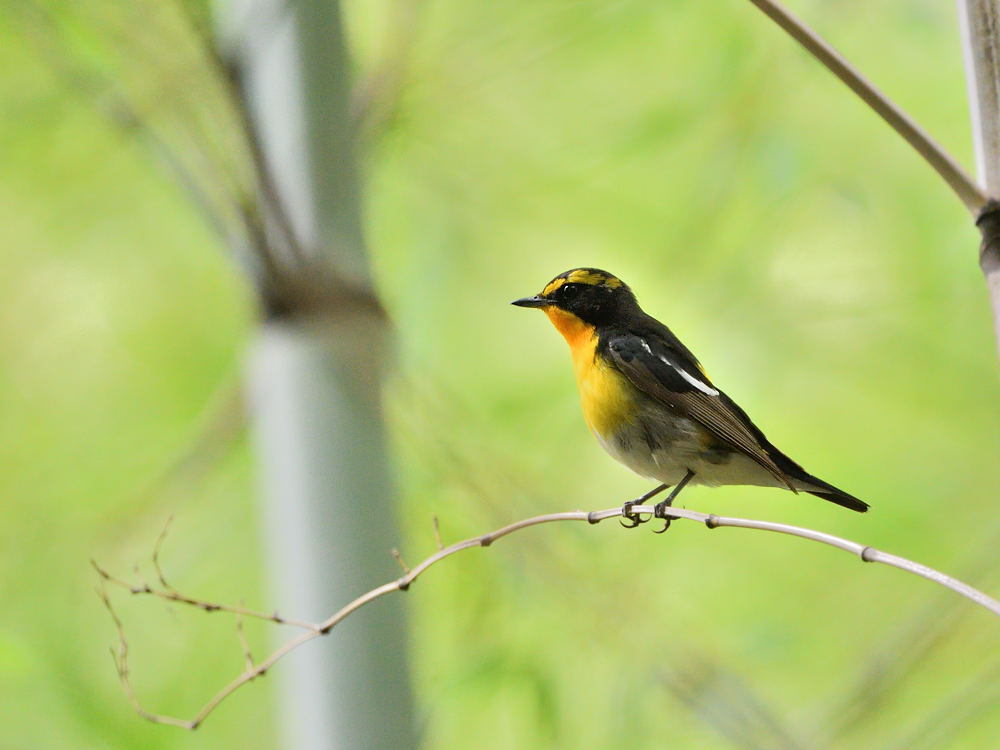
{"x": 535, "y": 301}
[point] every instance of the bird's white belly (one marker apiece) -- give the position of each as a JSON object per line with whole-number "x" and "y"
{"x": 665, "y": 466}
{"x": 685, "y": 452}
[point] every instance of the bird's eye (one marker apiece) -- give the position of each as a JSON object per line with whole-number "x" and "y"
{"x": 569, "y": 290}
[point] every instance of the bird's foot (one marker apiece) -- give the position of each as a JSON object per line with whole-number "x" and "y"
{"x": 660, "y": 511}
{"x": 635, "y": 518}
{"x": 628, "y": 515}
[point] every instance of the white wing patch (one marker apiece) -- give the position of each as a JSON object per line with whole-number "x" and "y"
{"x": 703, "y": 387}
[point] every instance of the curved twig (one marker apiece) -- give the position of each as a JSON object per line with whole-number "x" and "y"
{"x": 866, "y": 553}
{"x": 314, "y": 630}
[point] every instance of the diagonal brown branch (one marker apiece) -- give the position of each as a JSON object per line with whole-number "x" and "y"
{"x": 314, "y": 630}
{"x": 964, "y": 186}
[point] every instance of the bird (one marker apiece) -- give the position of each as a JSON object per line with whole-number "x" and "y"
{"x": 650, "y": 404}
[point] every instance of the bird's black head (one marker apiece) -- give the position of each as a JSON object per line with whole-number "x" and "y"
{"x": 594, "y": 296}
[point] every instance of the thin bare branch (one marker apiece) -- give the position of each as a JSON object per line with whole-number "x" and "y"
{"x": 172, "y": 595}
{"x": 868, "y": 554}
{"x": 313, "y": 630}
{"x": 120, "y": 658}
{"x": 268, "y": 193}
{"x": 964, "y": 186}
{"x": 247, "y": 653}
{"x": 398, "y": 557}
{"x": 437, "y": 533}
{"x": 156, "y": 554}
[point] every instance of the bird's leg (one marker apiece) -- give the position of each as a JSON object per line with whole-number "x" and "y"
{"x": 634, "y": 517}
{"x": 658, "y": 511}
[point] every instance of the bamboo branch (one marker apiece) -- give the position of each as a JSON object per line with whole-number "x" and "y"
{"x": 980, "y": 22}
{"x": 962, "y": 184}
{"x": 314, "y": 630}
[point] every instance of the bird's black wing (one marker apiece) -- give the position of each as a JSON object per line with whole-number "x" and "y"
{"x": 661, "y": 367}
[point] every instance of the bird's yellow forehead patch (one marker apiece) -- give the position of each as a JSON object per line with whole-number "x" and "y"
{"x": 582, "y": 276}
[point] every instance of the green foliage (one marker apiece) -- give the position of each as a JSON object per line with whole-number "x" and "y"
{"x": 824, "y": 276}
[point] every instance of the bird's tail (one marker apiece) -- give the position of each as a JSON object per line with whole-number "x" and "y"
{"x": 816, "y": 486}
{"x": 803, "y": 480}
{"x": 840, "y": 498}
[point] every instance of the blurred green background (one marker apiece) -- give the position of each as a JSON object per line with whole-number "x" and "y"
{"x": 824, "y": 275}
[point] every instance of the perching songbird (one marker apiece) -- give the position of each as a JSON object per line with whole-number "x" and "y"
{"x": 649, "y": 402}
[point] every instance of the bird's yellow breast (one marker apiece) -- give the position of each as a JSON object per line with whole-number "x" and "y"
{"x": 606, "y": 396}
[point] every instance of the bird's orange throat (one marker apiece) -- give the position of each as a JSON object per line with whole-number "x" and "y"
{"x": 581, "y": 337}
{"x": 604, "y": 394}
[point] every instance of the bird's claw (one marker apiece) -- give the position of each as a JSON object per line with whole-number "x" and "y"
{"x": 630, "y": 516}
{"x": 659, "y": 511}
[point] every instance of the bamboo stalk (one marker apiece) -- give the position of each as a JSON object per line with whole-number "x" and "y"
{"x": 315, "y": 375}
{"x": 980, "y": 23}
